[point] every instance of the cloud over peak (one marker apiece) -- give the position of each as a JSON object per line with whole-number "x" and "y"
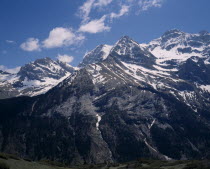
{"x": 65, "y": 58}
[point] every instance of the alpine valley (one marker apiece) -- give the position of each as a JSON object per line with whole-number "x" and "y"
{"x": 122, "y": 102}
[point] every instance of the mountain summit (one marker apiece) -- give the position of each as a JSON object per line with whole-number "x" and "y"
{"x": 98, "y": 54}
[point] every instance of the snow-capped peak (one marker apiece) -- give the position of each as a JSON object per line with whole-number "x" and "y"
{"x": 179, "y": 46}
{"x": 130, "y": 51}
{"x": 125, "y": 46}
{"x": 37, "y": 77}
{"x": 106, "y": 49}
{"x": 98, "y": 54}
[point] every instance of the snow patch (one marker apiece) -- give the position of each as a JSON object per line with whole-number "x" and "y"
{"x": 98, "y": 121}
{"x": 205, "y": 88}
{"x": 149, "y": 146}
{"x": 153, "y": 122}
{"x": 106, "y": 49}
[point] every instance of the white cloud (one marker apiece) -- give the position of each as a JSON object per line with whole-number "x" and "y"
{"x": 31, "y": 44}
{"x": 124, "y": 10}
{"x": 89, "y": 5}
{"x": 95, "y": 26}
{"x": 12, "y": 70}
{"x": 101, "y": 3}
{"x": 65, "y": 58}
{"x": 98, "y": 25}
{"x": 146, "y": 4}
{"x": 10, "y": 41}
{"x": 60, "y": 36}
{"x": 85, "y": 10}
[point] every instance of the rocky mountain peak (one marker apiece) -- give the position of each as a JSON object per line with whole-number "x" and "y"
{"x": 43, "y": 61}
{"x": 128, "y": 50}
{"x": 173, "y": 32}
{"x": 178, "y": 37}
{"x": 173, "y": 36}
{"x": 41, "y": 68}
{"x": 37, "y": 77}
{"x": 125, "y": 39}
{"x": 98, "y": 54}
{"x": 125, "y": 46}
{"x": 174, "y": 47}
{"x": 45, "y": 67}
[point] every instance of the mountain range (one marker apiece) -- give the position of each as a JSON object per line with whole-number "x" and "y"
{"x": 122, "y": 102}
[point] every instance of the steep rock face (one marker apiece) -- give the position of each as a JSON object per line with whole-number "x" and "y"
{"x": 6, "y": 89}
{"x": 197, "y": 72}
{"x": 35, "y": 78}
{"x": 121, "y": 108}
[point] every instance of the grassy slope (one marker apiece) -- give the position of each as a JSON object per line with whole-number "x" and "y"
{"x": 140, "y": 164}
{"x": 22, "y": 164}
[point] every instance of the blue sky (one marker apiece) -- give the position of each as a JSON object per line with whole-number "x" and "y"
{"x": 32, "y": 29}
